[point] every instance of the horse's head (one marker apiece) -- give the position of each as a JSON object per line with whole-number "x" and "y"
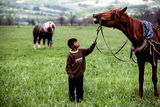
{"x": 109, "y": 18}
{"x": 49, "y": 29}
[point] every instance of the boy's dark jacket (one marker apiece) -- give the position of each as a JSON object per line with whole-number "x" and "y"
{"x": 76, "y": 63}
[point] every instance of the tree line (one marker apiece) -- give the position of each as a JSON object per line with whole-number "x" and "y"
{"x": 6, "y": 20}
{"x": 151, "y": 16}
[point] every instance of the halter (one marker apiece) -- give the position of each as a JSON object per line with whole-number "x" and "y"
{"x": 116, "y": 17}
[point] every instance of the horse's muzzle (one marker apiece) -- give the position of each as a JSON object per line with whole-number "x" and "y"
{"x": 95, "y": 19}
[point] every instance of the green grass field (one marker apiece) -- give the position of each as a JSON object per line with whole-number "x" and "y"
{"x": 37, "y": 78}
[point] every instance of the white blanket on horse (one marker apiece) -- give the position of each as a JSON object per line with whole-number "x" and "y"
{"x": 48, "y": 25}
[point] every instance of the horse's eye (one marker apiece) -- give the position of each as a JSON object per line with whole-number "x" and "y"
{"x": 112, "y": 15}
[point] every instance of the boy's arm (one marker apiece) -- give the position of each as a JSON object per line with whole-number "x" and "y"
{"x": 90, "y": 49}
{"x": 68, "y": 67}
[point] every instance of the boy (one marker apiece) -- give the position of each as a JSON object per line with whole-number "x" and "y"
{"x": 75, "y": 67}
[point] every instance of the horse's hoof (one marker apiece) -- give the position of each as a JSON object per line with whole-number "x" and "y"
{"x": 39, "y": 46}
{"x": 155, "y": 98}
{"x": 139, "y": 98}
{"x": 34, "y": 47}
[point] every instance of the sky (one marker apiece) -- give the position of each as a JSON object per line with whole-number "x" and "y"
{"x": 102, "y": 1}
{"x": 134, "y": 1}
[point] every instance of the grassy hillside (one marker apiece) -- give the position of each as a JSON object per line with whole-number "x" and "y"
{"x": 42, "y": 10}
{"x": 30, "y": 77}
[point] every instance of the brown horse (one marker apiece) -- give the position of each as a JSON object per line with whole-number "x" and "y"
{"x": 146, "y": 50}
{"x": 40, "y": 33}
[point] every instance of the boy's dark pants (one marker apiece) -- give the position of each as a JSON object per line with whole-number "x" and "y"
{"x": 76, "y": 83}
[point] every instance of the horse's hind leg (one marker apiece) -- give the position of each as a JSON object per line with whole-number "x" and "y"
{"x": 141, "y": 78}
{"x": 39, "y": 41}
{"x": 34, "y": 41}
{"x": 154, "y": 78}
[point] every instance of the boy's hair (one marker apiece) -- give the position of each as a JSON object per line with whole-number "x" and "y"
{"x": 71, "y": 41}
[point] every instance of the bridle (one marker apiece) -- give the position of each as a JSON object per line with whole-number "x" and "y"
{"x": 114, "y": 17}
{"x": 112, "y": 54}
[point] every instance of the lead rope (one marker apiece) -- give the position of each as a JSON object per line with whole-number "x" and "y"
{"x": 112, "y": 54}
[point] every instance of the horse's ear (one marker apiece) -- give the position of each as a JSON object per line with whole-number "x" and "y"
{"x": 124, "y": 9}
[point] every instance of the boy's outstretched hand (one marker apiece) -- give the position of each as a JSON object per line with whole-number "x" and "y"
{"x": 72, "y": 76}
{"x": 94, "y": 43}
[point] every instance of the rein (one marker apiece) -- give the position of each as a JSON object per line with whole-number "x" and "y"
{"x": 112, "y": 54}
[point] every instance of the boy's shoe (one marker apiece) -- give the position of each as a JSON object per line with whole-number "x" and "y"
{"x": 72, "y": 99}
{"x": 79, "y": 100}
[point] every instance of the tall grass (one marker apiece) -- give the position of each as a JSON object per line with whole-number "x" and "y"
{"x": 30, "y": 77}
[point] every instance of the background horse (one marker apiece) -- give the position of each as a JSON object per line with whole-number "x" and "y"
{"x": 146, "y": 50}
{"x": 39, "y": 33}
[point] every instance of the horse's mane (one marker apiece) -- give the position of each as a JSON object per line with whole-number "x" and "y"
{"x": 133, "y": 26}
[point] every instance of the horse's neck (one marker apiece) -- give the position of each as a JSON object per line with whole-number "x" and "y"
{"x": 133, "y": 29}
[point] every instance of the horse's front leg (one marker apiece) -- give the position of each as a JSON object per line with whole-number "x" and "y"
{"x": 141, "y": 78}
{"x": 154, "y": 78}
{"x": 43, "y": 42}
{"x": 49, "y": 42}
